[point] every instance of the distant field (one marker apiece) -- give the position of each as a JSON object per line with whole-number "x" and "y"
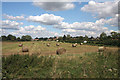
{"x": 39, "y": 47}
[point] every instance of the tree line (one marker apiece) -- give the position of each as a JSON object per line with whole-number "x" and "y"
{"x": 112, "y": 40}
{"x": 14, "y": 38}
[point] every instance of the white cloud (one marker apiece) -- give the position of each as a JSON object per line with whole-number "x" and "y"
{"x": 47, "y": 19}
{"x": 7, "y": 24}
{"x": 34, "y": 31}
{"x": 103, "y": 10}
{"x": 4, "y": 32}
{"x": 69, "y": 30}
{"x": 85, "y": 28}
{"x": 54, "y": 5}
{"x": 88, "y": 26}
{"x": 12, "y": 17}
{"x": 31, "y": 29}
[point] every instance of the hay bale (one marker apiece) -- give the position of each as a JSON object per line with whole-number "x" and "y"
{"x": 101, "y": 49}
{"x": 60, "y": 51}
{"x": 20, "y": 45}
{"x": 57, "y": 44}
{"x": 25, "y": 49}
{"x": 74, "y": 45}
{"x": 48, "y": 45}
{"x": 81, "y": 43}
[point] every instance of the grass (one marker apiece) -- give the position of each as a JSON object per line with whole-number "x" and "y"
{"x": 41, "y": 61}
{"x": 88, "y": 65}
{"x": 39, "y": 47}
{"x": 27, "y": 66}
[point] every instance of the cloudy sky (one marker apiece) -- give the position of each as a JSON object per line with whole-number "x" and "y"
{"x": 45, "y": 19}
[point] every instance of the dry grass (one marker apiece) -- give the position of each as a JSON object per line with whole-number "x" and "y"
{"x": 82, "y": 61}
{"x": 39, "y": 47}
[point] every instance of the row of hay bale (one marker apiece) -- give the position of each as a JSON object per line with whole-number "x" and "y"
{"x": 75, "y": 45}
{"x": 58, "y": 51}
{"x": 48, "y": 44}
{"x": 57, "y": 44}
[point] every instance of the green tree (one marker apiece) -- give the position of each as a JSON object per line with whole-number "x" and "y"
{"x": 4, "y": 38}
{"x": 64, "y": 38}
{"x": 23, "y": 38}
{"x": 103, "y": 36}
{"x": 68, "y": 38}
{"x": 86, "y": 38}
{"x": 28, "y": 38}
{"x": 18, "y": 39}
{"x": 11, "y": 37}
{"x": 36, "y": 38}
{"x": 114, "y": 35}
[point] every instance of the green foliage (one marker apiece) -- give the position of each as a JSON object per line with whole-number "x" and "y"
{"x": 89, "y": 65}
{"x": 104, "y": 39}
{"x": 11, "y": 37}
{"x": 4, "y": 38}
{"x": 64, "y": 38}
{"x": 26, "y": 38}
{"x": 26, "y": 66}
{"x": 103, "y": 36}
{"x": 18, "y": 39}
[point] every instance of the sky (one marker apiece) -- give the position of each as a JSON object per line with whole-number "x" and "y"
{"x": 48, "y": 19}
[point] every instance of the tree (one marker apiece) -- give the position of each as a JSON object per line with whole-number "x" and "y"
{"x": 45, "y": 39}
{"x": 64, "y": 38}
{"x": 68, "y": 37}
{"x": 103, "y": 36}
{"x": 41, "y": 38}
{"x": 26, "y": 38}
{"x": 4, "y": 38}
{"x": 23, "y": 38}
{"x": 114, "y": 35}
{"x": 11, "y": 37}
{"x": 18, "y": 39}
{"x": 86, "y": 37}
{"x": 36, "y": 38}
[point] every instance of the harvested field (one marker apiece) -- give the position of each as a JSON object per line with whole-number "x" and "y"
{"x": 38, "y": 47}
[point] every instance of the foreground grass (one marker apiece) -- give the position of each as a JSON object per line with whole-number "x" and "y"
{"x": 88, "y": 65}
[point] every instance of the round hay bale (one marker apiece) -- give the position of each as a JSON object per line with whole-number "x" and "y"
{"x": 25, "y": 49}
{"x": 74, "y": 45}
{"x": 101, "y": 49}
{"x": 57, "y": 44}
{"x": 20, "y": 45}
{"x": 85, "y": 42}
{"x": 81, "y": 43}
{"x": 48, "y": 45}
{"x": 60, "y": 51}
